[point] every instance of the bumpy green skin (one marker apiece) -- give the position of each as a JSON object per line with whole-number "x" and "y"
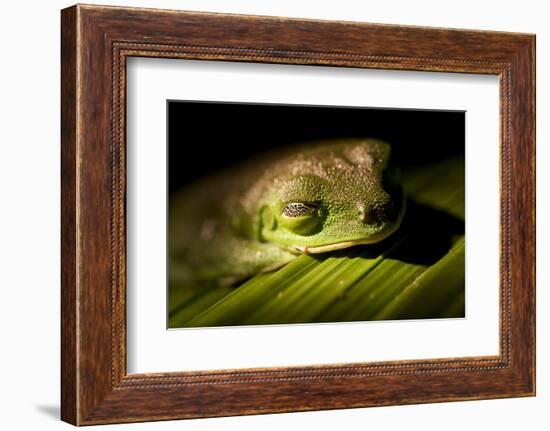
{"x": 234, "y": 224}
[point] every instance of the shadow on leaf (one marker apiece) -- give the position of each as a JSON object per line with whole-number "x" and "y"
{"x": 425, "y": 236}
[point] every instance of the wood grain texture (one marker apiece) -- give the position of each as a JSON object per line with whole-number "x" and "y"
{"x": 69, "y": 396}
{"x": 96, "y": 41}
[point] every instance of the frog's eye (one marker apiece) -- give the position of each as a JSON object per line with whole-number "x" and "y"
{"x": 302, "y": 218}
{"x": 299, "y": 209}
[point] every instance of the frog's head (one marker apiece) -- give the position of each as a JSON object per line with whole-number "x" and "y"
{"x": 333, "y": 196}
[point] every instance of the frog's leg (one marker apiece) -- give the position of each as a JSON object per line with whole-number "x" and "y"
{"x": 227, "y": 262}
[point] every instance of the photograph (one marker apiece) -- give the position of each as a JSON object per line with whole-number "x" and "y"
{"x": 299, "y": 214}
{"x": 271, "y": 211}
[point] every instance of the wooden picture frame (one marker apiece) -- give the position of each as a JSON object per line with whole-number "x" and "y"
{"x": 95, "y": 43}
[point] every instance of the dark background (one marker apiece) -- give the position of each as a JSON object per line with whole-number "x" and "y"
{"x": 206, "y": 136}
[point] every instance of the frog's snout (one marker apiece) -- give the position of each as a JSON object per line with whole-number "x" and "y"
{"x": 365, "y": 215}
{"x": 380, "y": 212}
{"x": 374, "y": 214}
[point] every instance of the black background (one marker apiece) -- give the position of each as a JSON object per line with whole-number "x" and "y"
{"x": 205, "y": 136}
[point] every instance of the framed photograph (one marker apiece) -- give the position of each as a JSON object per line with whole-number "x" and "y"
{"x": 264, "y": 214}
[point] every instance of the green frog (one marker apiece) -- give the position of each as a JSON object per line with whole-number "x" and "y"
{"x": 313, "y": 197}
